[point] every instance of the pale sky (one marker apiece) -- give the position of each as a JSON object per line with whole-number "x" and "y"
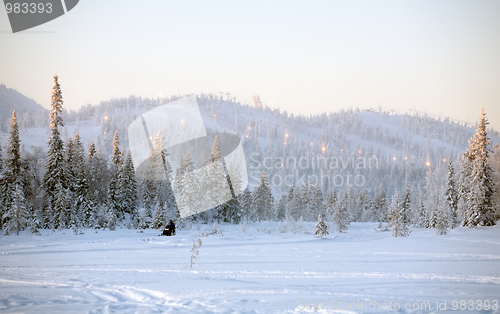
{"x": 442, "y": 57}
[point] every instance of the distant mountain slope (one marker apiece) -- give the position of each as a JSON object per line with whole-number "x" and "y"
{"x": 405, "y": 146}
{"x": 11, "y": 99}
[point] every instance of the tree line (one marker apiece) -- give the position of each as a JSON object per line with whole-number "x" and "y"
{"x": 71, "y": 187}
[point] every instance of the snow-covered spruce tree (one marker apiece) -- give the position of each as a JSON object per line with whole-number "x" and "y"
{"x": 235, "y": 174}
{"x": 281, "y": 208}
{"x": 12, "y": 174}
{"x": 262, "y": 198}
{"x": 464, "y": 186}
{"x": 479, "y": 206}
{"x": 62, "y": 209}
{"x": 316, "y": 199}
{"x": 295, "y": 204}
{"x": 245, "y": 199}
{"x": 451, "y": 194}
{"x": 341, "y": 217}
{"x": 381, "y": 205}
{"x": 111, "y": 219}
{"x": 217, "y": 186}
{"x": 54, "y": 181}
{"x": 70, "y": 165}
{"x": 329, "y": 205}
{"x": 82, "y": 201}
{"x": 442, "y": 219}
{"x": 405, "y": 203}
{"x": 164, "y": 188}
{"x": 396, "y": 219}
{"x": 495, "y": 165}
{"x": 186, "y": 185}
{"x": 129, "y": 187}
{"x": 320, "y": 230}
{"x": 32, "y": 220}
{"x": 15, "y": 217}
{"x": 115, "y": 205}
{"x": 422, "y": 220}
{"x": 158, "y": 216}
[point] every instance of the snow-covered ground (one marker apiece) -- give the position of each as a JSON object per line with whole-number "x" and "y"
{"x": 257, "y": 270}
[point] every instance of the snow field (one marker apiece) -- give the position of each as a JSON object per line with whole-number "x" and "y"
{"x": 257, "y": 270}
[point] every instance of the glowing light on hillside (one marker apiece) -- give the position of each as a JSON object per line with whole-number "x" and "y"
{"x": 246, "y": 136}
{"x": 182, "y": 120}
{"x": 105, "y": 117}
{"x": 428, "y": 164}
{"x": 323, "y": 148}
{"x": 406, "y": 158}
{"x": 359, "y": 152}
{"x": 286, "y": 135}
{"x": 444, "y": 159}
{"x": 393, "y": 158}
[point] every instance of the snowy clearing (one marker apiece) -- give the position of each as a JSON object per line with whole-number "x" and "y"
{"x": 256, "y": 270}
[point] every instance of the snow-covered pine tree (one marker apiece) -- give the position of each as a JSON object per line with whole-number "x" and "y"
{"x": 262, "y": 198}
{"x": 329, "y": 205}
{"x": 70, "y": 165}
{"x": 164, "y": 189}
{"x": 144, "y": 219}
{"x": 245, "y": 199}
{"x": 479, "y": 208}
{"x": 186, "y": 186}
{"x": 32, "y": 220}
{"x": 306, "y": 201}
{"x": 54, "y": 180}
{"x": 15, "y": 217}
{"x": 422, "y": 219}
{"x": 451, "y": 194}
{"x": 464, "y": 185}
{"x": 111, "y": 219}
{"x": 495, "y": 165}
{"x": 158, "y": 216}
{"x": 396, "y": 218}
{"x": 129, "y": 187}
{"x": 217, "y": 183}
{"x": 12, "y": 174}
{"x": 295, "y": 205}
{"x": 115, "y": 205}
{"x": 405, "y": 203}
{"x": 381, "y": 202}
{"x": 341, "y": 217}
{"x": 442, "y": 219}
{"x": 82, "y": 201}
{"x": 320, "y": 230}
{"x": 281, "y": 208}
{"x": 316, "y": 199}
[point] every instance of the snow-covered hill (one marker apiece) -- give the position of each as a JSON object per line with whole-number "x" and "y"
{"x": 381, "y": 147}
{"x": 11, "y": 99}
